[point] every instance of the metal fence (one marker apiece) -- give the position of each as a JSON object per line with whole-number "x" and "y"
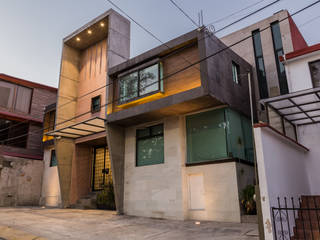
{"x": 297, "y": 218}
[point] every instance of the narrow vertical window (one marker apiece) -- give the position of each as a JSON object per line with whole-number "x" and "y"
{"x": 53, "y": 160}
{"x": 235, "y": 72}
{"x": 95, "y": 104}
{"x": 278, "y": 51}
{"x": 261, "y": 73}
{"x": 315, "y": 73}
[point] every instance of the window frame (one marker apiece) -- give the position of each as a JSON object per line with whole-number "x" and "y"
{"x": 148, "y": 137}
{"x": 256, "y": 58}
{"x": 282, "y": 78}
{"x": 237, "y": 68}
{"x": 160, "y": 85}
{"x": 53, "y": 151}
{"x": 92, "y": 100}
{"x": 312, "y": 78}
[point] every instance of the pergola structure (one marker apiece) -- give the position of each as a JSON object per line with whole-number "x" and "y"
{"x": 298, "y": 108}
{"x": 80, "y": 129}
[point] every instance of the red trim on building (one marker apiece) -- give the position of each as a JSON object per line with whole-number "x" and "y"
{"x": 262, "y": 125}
{"x": 26, "y": 83}
{"x": 301, "y": 52}
{"x": 298, "y": 41}
{"x": 13, "y": 116}
{"x": 23, "y": 155}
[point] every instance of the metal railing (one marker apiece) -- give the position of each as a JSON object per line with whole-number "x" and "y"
{"x": 296, "y": 218}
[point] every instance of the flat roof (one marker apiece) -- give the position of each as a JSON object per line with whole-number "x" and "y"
{"x": 299, "y": 108}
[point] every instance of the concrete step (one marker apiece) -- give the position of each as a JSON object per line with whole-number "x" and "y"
{"x": 249, "y": 219}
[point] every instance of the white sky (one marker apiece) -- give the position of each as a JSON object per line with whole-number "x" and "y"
{"x": 32, "y": 30}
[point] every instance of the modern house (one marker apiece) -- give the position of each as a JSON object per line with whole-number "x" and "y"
{"x": 79, "y": 135}
{"x": 179, "y": 135}
{"x": 288, "y": 157}
{"x": 271, "y": 38}
{"x": 21, "y": 119}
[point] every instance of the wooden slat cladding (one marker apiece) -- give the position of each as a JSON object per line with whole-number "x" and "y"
{"x": 177, "y": 83}
{"x": 185, "y": 80}
{"x": 93, "y": 70}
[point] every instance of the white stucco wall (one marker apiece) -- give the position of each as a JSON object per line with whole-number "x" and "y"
{"x": 298, "y": 72}
{"x": 50, "y": 194}
{"x": 309, "y": 136}
{"x": 282, "y": 168}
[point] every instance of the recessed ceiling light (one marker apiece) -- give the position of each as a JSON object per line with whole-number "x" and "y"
{"x": 89, "y": 32}
{"x": 102, "y": 24}
{"x": 78, "y": 39}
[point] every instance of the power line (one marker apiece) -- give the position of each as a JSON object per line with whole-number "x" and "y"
{"x": 185, "y": 68}
{"x": 234, "y": 13}
{"x": 309, "y": 21}
{"x": 184, "y": 13}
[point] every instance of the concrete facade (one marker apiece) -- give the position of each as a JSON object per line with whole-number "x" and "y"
{"x": 291, "y": 40}
{"x": 50, "y": 193}
{"x": 87, "y": 55}
{"x": 163, "y": 190}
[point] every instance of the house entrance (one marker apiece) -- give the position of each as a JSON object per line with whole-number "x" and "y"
{"x": 102, "y": 174}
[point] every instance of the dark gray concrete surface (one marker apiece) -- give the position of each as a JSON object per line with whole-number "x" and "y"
{"x": 96, "y": 224}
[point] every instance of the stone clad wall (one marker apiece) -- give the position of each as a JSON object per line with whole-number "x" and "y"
{"x": 20, "y": 181}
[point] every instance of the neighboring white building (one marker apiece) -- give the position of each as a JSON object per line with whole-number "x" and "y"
{"x": 288, "y": 146}
{"x": 303, "y": 68}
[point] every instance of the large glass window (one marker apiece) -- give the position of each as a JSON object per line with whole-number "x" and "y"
{"x": 140, "y": 83}
{"x": 278, "y": 51}
{"x": 315, "y": 73}
{"x": 218, "y": 135}
{"x": 13, "y": 133}
{"x": 206, "y": 136}
{"x": 150, "y": 145}
{"x": 261, "y": 73}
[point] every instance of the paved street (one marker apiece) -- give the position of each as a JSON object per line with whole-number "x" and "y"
{"x": 40, "y": 224}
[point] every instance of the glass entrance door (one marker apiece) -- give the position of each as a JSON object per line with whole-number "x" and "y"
{"x": 102, "y": 174}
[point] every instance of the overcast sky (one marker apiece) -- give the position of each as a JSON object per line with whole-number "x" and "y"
{"x": 32, "y": 30}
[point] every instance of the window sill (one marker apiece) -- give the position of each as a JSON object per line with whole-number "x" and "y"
{"x": 147, "y": 98}
{"x": 219, "y": 161}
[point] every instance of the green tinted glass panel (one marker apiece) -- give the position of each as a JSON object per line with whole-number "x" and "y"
{"x": 150, "y": 151}
{"x": 248, "y": 140}
{"x": 149, "y": 80}
{"x": 53, "y": 160}
{"x": 206, "y": 136}
{"x": 141, "y": 133}
{"x": 235, "y": 134}
{"x": 128, "y": 87}
{"x": 156, "y": 130}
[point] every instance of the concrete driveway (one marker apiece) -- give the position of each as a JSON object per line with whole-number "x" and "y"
{"x": 38, "y": 223}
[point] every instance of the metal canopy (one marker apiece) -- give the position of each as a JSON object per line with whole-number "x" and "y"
{"x": 299, "y": 108}
{"x": 81, "y": 129}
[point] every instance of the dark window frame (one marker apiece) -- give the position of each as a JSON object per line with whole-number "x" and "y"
{"x": 312, "y": 77}
{"x": 18, "y": 132}
{"x": 92, "y": 104}
{"x": 282, "y": 78}
{"x": 150, "y": 135}
{"x": 262, "y": 80}
{"x": 53, "y": 163}
{"x": 160, "y": 88}
{"x": 237, "y": 67}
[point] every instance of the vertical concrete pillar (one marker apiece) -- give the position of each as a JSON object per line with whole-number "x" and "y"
{"x": 116, "y": 144}
{"x": 65, "y": 153}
